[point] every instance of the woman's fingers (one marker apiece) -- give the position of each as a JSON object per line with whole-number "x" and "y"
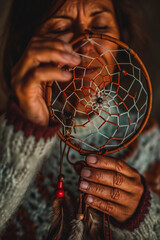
{"x": 44, "y": 51}
{"x": 109, "y": 178}
{"x": 42, "y": 61}
{"x": 48, "y": 55}
{"x": 117, "y": 211}
{"x": 47, "y": 73}
{"x": 114, "y": 187}
{"x": 38, "y": 75}
{"x": 108, "y": 163}
{"x": 50, "y": 42}
{"x": 106, "y": 193}
{"x": 44, "y": 56}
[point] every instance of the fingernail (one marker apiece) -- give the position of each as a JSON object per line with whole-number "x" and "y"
{"x": 68, "y": 47}
{"x": 84, "y": 185}
{"x": 85, "y": 172}
{"x": 76, "y": 58}
{"x": 92, "y": 159}
{"x": 67, "y": 56}
{"x": 67, "y": 74}
{"x": 89, "y": 199}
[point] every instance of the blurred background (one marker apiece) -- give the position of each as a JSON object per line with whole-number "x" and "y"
{"x": 151, "y": 56}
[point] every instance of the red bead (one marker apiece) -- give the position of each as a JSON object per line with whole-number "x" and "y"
{"x": 60, "y": 193}
{"x": 60, "y": 184}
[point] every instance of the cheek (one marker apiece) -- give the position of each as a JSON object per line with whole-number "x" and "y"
{"x": 108, "y": 54}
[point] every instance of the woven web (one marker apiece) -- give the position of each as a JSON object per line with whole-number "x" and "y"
{"x": 106, "y": 101}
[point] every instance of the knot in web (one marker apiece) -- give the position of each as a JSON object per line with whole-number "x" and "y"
{"x": 106, "y": 102}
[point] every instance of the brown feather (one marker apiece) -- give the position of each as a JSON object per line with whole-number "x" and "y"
{"x": 62, "y": 215}
{"x": 77, "y": 230}
{"x": 93, "y": 225}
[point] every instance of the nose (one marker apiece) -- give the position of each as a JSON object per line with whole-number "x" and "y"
{"x": 79, "y": 29}
{"x": 87, "y": 48}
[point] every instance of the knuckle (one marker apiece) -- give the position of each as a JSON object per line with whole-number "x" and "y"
{"x": 119, "y": 165}
{"x": 108, "y": 207}
{"x": 115, "y": 193}
{"x": 117, "y": 179}
{"x": 99, "y": 175}
{"x": 99, "y": 190}
{"x": 104, "y": 206}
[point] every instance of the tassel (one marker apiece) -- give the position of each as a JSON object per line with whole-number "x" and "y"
{"x": 77, "y": 230}
{"x": 77, "y": 224}
{"x": 57, "y": 220}
{"x": 93, "y": 225}
{"x": 106, "y": 227}
{"x": 62, "y": 213}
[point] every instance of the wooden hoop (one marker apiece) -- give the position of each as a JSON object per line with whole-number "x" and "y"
{"x": 149, "y": 88}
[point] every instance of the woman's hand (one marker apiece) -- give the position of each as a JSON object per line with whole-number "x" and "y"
{"x": 39, "y": 64}
{"x": 111, "y": 186}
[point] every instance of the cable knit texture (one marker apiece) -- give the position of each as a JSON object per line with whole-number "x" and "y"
{"x": 15, "y": 117}
{"x": 29, "y": 168}
{"x": 22, "y": 155}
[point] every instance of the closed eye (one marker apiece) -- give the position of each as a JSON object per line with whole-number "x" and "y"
{"x": 56, "y": 31}
{"x": 100, "y": 27}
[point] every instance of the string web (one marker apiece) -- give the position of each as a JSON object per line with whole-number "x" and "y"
{"x": 106, "y": 101}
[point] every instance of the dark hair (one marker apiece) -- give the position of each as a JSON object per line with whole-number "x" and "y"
{"x": 25, "y": 17}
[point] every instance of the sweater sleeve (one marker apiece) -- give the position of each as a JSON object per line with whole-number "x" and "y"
{"x": 147, "y": 228}
{"x": 23, "y": 147}
{"x": 145, "y": 223}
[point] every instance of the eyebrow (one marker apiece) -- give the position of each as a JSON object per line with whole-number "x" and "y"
{"x": 100, "y": 11}
{"x": 104, "y": 10}
{"x": 62, "y": 16}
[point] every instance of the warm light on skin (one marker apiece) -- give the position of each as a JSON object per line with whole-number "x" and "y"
{"x": 75, "y": 17}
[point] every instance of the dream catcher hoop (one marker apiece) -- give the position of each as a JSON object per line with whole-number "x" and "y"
{"x": 111, "y": 90}
{"x": 105, "y": 106}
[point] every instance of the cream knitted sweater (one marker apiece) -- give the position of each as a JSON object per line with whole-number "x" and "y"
{"x": 29, "y": 166}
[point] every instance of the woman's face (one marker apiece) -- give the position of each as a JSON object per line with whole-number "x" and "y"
{"x": 72, "y": 20}
{"x": 76, "y": 16}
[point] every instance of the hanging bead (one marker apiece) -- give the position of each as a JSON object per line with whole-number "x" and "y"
{"x": 80, "y": 216}
{"x": 60, "y": 191}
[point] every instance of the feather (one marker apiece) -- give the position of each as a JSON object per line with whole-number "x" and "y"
{"x": 61, "y": 218}
{"x": 57, "y": 220}
{"x": 93, "y": 225}
{"x": 77, "y": 230}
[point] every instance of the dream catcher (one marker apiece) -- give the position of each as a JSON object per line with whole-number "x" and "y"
{"x": 102, "y": 109}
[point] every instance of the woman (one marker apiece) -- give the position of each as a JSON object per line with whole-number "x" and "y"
{"x": 38, "y": 41}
